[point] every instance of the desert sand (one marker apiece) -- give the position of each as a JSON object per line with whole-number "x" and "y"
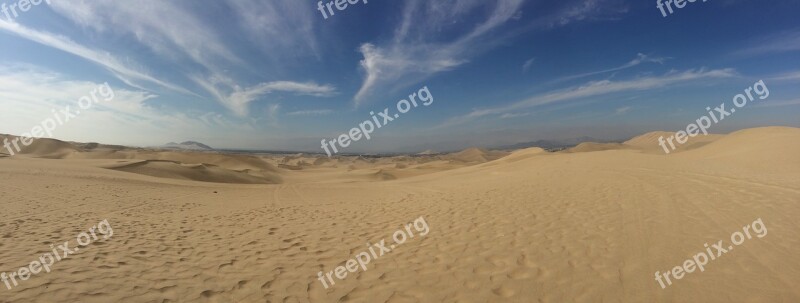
{"x": 589, "y": 224}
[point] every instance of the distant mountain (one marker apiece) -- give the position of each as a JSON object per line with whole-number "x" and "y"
{"x": 188, "y": 145}
{"x": 554, "y": 144}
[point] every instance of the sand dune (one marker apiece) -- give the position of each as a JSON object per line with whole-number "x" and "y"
{"x": 758, "y": 140}
{"x": 48, "y": 148}
{"x": 588, "y": 147}
{"x": 476, "y": 155}
{"x": 516, "y": 156}
{"x": 649, "y": 142}
{"x": 383, "y": 175}
{"x": 197, "y": 172}
{"x": 778, "y": 145}
{"x": 529, "y": 226}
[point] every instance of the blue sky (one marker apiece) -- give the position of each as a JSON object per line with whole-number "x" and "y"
{"x": 274, "y": 74}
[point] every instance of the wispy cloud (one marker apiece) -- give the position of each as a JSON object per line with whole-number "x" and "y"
{"x": 123, "y": 71}
{"x": 790, "y": 76}
{"x": 589, "y": 10}
{"x": 238, "y": 99}
{"x": 31, "y": 94}
{"x": 527, "y": 65}
{"x": 29, "y": 87}
{"x": 787, "y": 41}
{"x": 416, "y": 52}
{"x": 622, "y": 110}
{"x": 514, "y": 115}
{"x": 398, "y": 65}
{"x": 165, "y": 27}
{"x": 175, "y": 33}
{"x": 640, "y": 59}
{"x": 597, "y": 88}
{"x": 279, "y": 26}
{"x": 778, "y": 103}
{"x": 272, "y": 114}
{"x": 315, "y": 112}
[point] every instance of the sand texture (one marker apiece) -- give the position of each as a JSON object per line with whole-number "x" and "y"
{"x": 589, "y": 224}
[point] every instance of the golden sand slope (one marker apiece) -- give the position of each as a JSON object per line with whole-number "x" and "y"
{"x": 197, "y": 172}
{"x": 47, "y": 148}
{"x": 649, "y": 142}
{"x": 588, "y": 147}
{"x": 530, "y": 227}
{"x": 476, "y": 155}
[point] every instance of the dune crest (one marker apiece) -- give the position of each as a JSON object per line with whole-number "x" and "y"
{"x": 587, "y": 147}
{"x": 476, "y": 155}
{"x": 649, "y": 142}
{"x": 197, "y": 172}
{"x": 274, "y": 169}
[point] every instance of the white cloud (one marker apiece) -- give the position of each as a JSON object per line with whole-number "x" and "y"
{"x": 278, "y": 25}
{"x": 640, "y": 59}
{"x": 598, "y": 88}
{"x": 514, "y": 115}
{"x": 30, "y": 94}
{"x": 415, "y": 53}
{"x": 315, "y": 112}
{"x": 622, "y": 110}
{"x": 527, "y": 65}
{"x": 122, "y": 71}
{"x": 788, "y": 41}
{"x": 163, "y": 26}
{"x": 791, "y": 76}
{"x": 778, "y": 103}
{"x": 238, "y": 99}
{"x": 589, "y": 10}
{"x": 171, "y": 30}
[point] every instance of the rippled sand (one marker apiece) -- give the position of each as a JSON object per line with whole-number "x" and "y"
{"x": 589, "y": 225}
